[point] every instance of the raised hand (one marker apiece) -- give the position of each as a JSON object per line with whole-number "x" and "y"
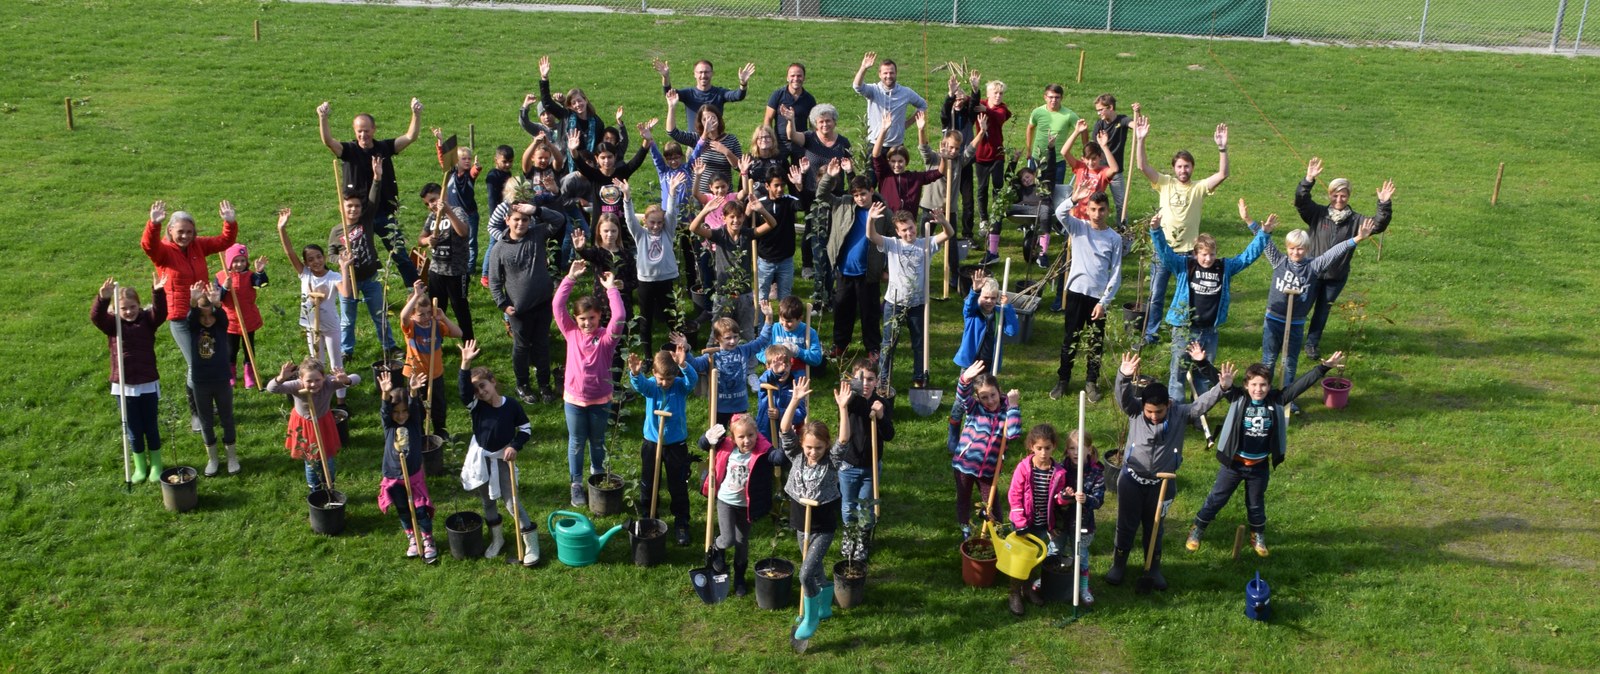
{"x": 766, "y": 308}
{"x": 888, "y": 118}
{"x": 419, "y": 379}
{"x": 577, "y": 268}
{"x": 842, "y": 395}
{"x": 469, "y": 351}
{"x": 973, "y": 77}
{"x": 675, "y": 181}
{"x": 1013, "y": 397}
{"x": 225, "y": 209}
{"x": 286, "y": 372}
{"x": 635, "y": 363}
{"x": 1386, "y": 192}
{"x": 1226, "y": 374}
{"x": 869, "y": 59}
{"x": 1197, "y": 352}
{"x": 579, "y": 240}
{"x": 786, "y": 112}
{"x": 745, "y": 73}
{"x": 973, "y": 370}
{"x": 834, "y": 166}
{"x": 609, "y": 281}
{"x": 715, "y": 433}
{"x": 419, "y": 288}
{"x": 196, "y": 292}
{"x": 1365, "y": 231}
{"x": 107, "y": 287}
{"x": 573, "y": 141}
{"x": 438, "y": 134}
{"x": 700, "y": 165}
{"x": 1270, "y": 224}
{"x": 529, "y": 99}
{"x": 978, "y": 276}
{"x": 324, "y": 109}
{"x": 1135, "y": 108}
{"x": 672, "y": 98}
{"x": 1102, "y": 138}
{"x": 922, "y": 120}
{"x": 983, "y": 124}
{"x": 261, "y": 264}
{"x": 1335, "y": 360}
{"x": 805, "y": 164}
{"x": 878, "y": 210}
{"x": 1244, "y": 212}
{"x": 680, "y": 353}
{"x": 1313, "y": 169}
{"x": 802, "y": 388}
{"x": 796, "y": 176}
{"x": 1130, "y": 364}
{"x": 661, "y": 67}
{"x": 848, "y": 164}
{"x": 1081, "y": 126}
{"x": 744, "y": 164}
{"x": 627, "y": 190}
{"x": 158, "y": 211}
{"x": 1141, "y": 127}
{"x": 619, "y": 115}
{"x": 1221, "y": 136}
{"x": 544, "y": 67}
{"x": 377, "y": 168}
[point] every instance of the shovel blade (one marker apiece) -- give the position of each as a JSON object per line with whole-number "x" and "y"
{"x": 712, "y": 587}
{"x": 926, "y": 401}
{"x": 1144, "y": 585}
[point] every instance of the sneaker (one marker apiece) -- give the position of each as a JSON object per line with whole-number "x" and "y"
{"x": 580, "y": 496}
{"x": 1193, "y": 543}
{"x": 966, "y": 531}
{"x": 1259, "y": 542}
{"x": 411, "y": 547}
{"x": 1294, "y": 408}
{"x": 1084, "y": 593}
{"x": 807, "y": 273}
{"x": 526, "y": 394}
{"x": 1093, "y": 391}
{"x": 430, "y": 552}
{"x": 988, "y": 259}
{"x": 1055, "y": 393}
{"x": 872, "y": 358}
{"x": 1311, "y": 352}
{"x": 1042, "y": 261}
{"x": 548, "y": 395}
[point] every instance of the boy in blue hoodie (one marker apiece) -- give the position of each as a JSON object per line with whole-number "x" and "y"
{"x": 668, "y": 389}
{"x": 781, "y": 375}
{"x": 790, "y": 331}
{"x": 1200, "y": 300}
{"x": 731, "y": 361}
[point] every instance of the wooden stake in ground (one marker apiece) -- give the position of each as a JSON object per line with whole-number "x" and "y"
{"x": 522, "y": 550}
{"x": 257, "y": 27}
{"x": 71, "y": 128}
{"x": 950, "y": 246}
{"x": 1238, "y": 540}
{"x": 244, "y": 333}
{"x": 1283, "y": 360}
{"x": 1494, "y": 199}
{"x": 1081, "y": 54}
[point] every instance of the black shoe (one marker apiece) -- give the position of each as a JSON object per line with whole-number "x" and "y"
{"x": 1158, "y": 582}
{"x": 683, "y": 535}
{"x": 1119, "y": 567}
{"x": 548, "y": 395}
{"x": 1311, "y": 353}
{"x": 1055, "y": 393}
{"x": 740, "y": 587}
{"x": 1042, "y": 260}
{"x": 988, "y": 259}
{"x": 1093, "y": 390}
{"x": 526, "y": 395}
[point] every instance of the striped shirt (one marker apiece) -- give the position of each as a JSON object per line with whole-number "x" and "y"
{"x": 978, "y": 451}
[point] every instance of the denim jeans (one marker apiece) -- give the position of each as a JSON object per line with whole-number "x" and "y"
{"x": 780, "y": 272}
{"x": 1116, "y": 189}
{"x": 895, "y": 317}
{"x": 185, "y": 339}
{"x": 1181, "y": 336}
{"x": 314, "y": 473}
{"x": 371, "y": 292}
{"x": 855, "y": 485}
{"x": 1160, "y": 278}
{"x": 1272, "y": 345}
{"x": 1323, "y": 294}
{"x": 1255, "y": 494}
{"x": 472, "y": 241}
{"x": 586, "y": 423}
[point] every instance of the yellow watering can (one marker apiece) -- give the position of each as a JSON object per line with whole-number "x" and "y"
{"x": 1017, "y": 554}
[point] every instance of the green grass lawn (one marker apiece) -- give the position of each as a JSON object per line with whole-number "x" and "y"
{"x": 1443, "y": 521}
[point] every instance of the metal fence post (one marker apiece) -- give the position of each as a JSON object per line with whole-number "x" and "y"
{"x": 1555, "y": 33}
{"x": 1267, "y": 19}
{"x": 644, "y": 5}
{"x": 1110, "y": 5}
{"x": 1581, "y": 18}
{"x": 1423, "y": 29}
{"x": 955, "y": 6}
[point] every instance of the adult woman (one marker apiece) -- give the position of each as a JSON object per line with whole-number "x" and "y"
{"x": 820, "y": 146}
{"x": 180, "y": 259}
{"x": 724, "y": 146}
{"x": 1330, "y": 225}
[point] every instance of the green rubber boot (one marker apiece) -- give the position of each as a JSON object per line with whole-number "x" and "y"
{"x": 155, "y": 466}
{"x": 810, "y": 617}
{"x": 141, "y": 468}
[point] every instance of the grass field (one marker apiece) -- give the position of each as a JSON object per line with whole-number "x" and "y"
{"x": 1444, "y": 521}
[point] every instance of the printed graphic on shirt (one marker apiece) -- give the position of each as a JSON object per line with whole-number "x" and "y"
{"x": 610, "y": 199}
{"x": 1290, "y": 282}
{"x": 1206, "y": 281}
{"x": 208, "y": 346}
{"x": 1257, "y": 420}
{"x": 655, "y": 247}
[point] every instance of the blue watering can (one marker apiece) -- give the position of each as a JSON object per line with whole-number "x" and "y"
{"x": 576, "y": 543}
{"x": 1257, "y": 598}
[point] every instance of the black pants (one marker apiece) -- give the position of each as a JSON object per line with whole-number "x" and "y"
{"x": 236, "y": 342}
{"x": 1136, "y": 507}
{"x": 674, "y": 469}
{"x": 990, "y": 176}
{"x": 530, "y": 343}
{"x": 452, "y": 290}
{"x": 858, "y": 296}
{"x": 1255, "y": 494}
{"x": 439, "y": 401}
{"x": 1077, "y": 311}
{"x": 654, "y": 298}
{"x": 966, "y": 201}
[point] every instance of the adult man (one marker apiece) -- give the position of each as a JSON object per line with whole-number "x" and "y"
{"x": 1057, "y": 122}
{"x": 1116, "y": 127}
{"x": 357, "y": 159}
{"x": 885, "y": 97}
{"x": 1155, "y": 445}
{"x": 1180, "y": 209}
{"x": 356, "y": 234}
{"x": 791, "y": 95}
{"x": 1092, "y": 283}
{"x": 703, "y": 93}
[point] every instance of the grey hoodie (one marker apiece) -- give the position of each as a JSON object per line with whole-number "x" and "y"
{"x": 1154, "y": 448}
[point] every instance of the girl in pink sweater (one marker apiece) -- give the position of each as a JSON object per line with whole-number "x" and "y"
{"x": 587, "y": 382}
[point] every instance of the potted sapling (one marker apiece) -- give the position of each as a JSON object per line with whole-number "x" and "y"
{"x": 774, "y": 574}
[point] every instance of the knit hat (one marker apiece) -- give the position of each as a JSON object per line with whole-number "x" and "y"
{"x": 235, "y": 252}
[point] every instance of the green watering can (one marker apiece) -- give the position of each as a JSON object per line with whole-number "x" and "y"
{"x": 576, "y": 544}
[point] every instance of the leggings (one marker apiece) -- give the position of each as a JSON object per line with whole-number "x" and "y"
{"x": 144, "y": 422}
{"x": 491, "y": 514}
{"x": 811, "y": 569}
{"x": 236, "y": 342}
{"x": 964, "y": 486}
{"x": 453, "y": 290}
{"x": 733, "y": 527}
{"x": 215, "y": 400}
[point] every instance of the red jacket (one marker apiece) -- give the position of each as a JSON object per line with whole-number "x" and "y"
{"x": 182, "y": 267}
{"x": 989, "y": 147}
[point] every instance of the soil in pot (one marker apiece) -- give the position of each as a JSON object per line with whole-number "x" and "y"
{"x": 179, "y": 489}
{"x": 327, "y": 512}
{"x": 977, "y": 562}
{"x": 774, "y": 583}
{"x": 605, "y": 494}
{"x": 465, "y": 530}
{"x": 849, "y": 583}
{"x": 649, "y": 540}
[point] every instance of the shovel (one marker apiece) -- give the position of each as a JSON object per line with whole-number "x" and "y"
{"x": 800, "y": 645}
{"x": 1283, "y": 360}
{"x": 1204, "y": 425}
{"x": 711, "y": 581}
{"x": 925, "y": 400}
{"x": 1146, "y": 583}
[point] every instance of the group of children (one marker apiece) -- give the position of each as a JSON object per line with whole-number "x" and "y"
{"x": 571, "y": 205}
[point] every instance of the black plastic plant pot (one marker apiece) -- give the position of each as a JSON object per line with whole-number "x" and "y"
{"x": 465, "y": 530}
{"x": 649, "y": 540}
{"x": 849, "y": 583}
{"x": 774, "y": 583}
{"x": 605, "y": 494}
{"x": 1057, "y": 574}
{"x": 327, "y": 512}
{"x": 179, "y": 489}
{"x": 433, "y": 456}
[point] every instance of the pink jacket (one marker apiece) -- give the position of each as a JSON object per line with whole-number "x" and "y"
{"x": 182, "y": 267}
{"x": 588, "y": 377}
{"x": 1021, "y": 493}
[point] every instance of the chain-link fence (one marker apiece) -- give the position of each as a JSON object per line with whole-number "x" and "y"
{"x": 1550, "y": 26}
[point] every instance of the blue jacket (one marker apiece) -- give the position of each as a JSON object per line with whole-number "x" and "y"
{"x": 977, "y": 340}
{"x": 1178, "y": 313}
{"x": 733, "y": 391}
{"x": 780, "y": 400}
{"x": 804, "y": 357}
{"x": 673, "y": 399}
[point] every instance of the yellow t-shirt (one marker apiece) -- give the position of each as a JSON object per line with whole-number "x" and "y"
{"x": 1180, "y": 211}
